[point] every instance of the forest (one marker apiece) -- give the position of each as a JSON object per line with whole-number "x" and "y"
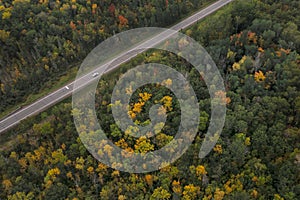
{"x": 42, "y": 40}
{"x": 255, "y": 45}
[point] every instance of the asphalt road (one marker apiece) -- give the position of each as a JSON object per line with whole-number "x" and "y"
{"x": 62, "y": 93}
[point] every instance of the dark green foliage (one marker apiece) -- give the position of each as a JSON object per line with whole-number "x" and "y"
{"x": 41, "y": 40}
{"x": 257, "y": 155}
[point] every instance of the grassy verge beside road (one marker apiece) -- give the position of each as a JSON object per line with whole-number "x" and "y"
{"x": 68, "y": 77}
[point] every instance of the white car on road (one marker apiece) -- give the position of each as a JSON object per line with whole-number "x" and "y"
{"x": 95, "y": 74}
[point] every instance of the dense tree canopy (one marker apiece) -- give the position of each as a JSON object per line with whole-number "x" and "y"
{"x": 41, "y": 40}
{"x": 255, "y": 45}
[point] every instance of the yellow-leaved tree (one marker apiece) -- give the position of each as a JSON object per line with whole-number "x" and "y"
{"x": 190, "y": 192}
{"x": 259, "y": 76}
{"x": 160, "y": 193}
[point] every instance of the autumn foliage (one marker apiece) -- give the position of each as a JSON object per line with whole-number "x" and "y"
{"x": 256, "y": 49}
